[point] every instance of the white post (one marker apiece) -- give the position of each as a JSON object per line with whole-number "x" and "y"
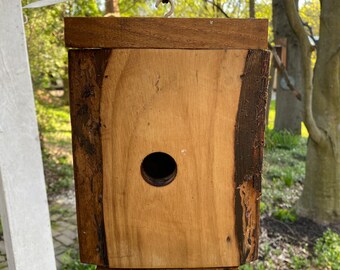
{"x": 23, "y": 200}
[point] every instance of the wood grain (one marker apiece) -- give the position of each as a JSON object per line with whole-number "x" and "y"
{"x": 184, "y": 103}
{"x": 249, "y": 141}
{"x": 166, "y": 33}
{"x": 203, "y": 107}
{"x": 86, "y": 70}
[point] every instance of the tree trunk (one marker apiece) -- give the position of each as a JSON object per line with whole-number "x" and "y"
{"x": 251, "y": 8}
{"x": 112, "y": 7}
{"x": 320, "y": 199}
{"x": 288, "y": 107}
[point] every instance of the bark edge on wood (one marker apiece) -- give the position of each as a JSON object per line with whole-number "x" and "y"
{"x": 86, "y": 70}
{"x": 249, "y": 142}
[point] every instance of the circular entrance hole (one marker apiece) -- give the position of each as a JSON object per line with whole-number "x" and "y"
{"x": 159, "y": 169}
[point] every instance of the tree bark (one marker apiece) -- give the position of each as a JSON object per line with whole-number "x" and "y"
{"x": 251, "y": 8}
{"x": 112, "y": 7}
{"x": 288, "y": 108}
{"x": 320, "y": 199}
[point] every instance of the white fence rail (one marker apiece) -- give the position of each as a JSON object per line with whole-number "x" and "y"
{"x": 23, "y": 200}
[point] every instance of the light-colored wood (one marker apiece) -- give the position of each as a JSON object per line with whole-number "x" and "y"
{"x": 23, "y": 200}
{"x": 184, "y": 103}
{"x": 166, "y": 33}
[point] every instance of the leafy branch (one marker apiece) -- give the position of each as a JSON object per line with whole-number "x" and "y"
{"x": 219, "y": 8}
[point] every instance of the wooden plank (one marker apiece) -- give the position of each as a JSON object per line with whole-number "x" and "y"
{"x": 165, "y": 33}
{"x": 23, "y": 200}
{"x": 86, "y": 70}
{"x": 183, "y": 103}
{"x": 249, "y": 141}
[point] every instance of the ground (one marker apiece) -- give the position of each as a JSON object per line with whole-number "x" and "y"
{"x": 287, "y": 241}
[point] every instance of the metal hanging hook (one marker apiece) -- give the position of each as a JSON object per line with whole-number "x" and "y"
{"x": 165, "y": 2}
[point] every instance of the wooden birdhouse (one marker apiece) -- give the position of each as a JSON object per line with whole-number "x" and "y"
{"x": 168, "y": 132}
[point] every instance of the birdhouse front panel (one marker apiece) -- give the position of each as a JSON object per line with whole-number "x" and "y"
{"x": 167, "y": 142}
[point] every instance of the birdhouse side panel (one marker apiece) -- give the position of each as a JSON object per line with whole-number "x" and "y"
{"x": 86, "y": 71}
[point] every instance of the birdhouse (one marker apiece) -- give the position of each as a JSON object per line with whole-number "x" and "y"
{"x": 168, "y": 131}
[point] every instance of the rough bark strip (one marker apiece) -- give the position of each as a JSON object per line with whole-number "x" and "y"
{"x": 249, "y": 141}
{"x": 86, "y": 71}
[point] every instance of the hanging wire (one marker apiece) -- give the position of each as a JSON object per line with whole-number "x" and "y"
{"x": 168, "y": 14}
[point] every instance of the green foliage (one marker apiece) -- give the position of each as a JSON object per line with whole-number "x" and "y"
{"x": 284, "y": 171}
{"x": 52, "y": 117}
{"x": 288, "y": 177}
{"x": 70, "y": 261}
{"x": 300, "y": 263}
{"x": 55, "y": 136}
{"x": 285, "y": 215}
{"x": 183, "y": 8}
{"x": 327, "y": 250}
{"x": 84, "y": 8}
{"x": 246, "y": 267}
{"x": 281, "y": 139}
{"x": 44, "y": 31}
{"x": 263, "y": 10}
{"x": 263, "y": 208}
{"x": 271, "y": 120}
{"x": 57, "y": 209}
{"x": 310, "y": 13}
{"x": 63, "y": 172}
{"x": 194, "y": 8}
{"x": 45, "y": 38}
{"x": 261, "y": 266}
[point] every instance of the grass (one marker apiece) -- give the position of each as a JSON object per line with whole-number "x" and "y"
{"x": 327, "y": 250}
{"x": 285, "y": 215}
{"x": 282, "y": 139}
{"x": 283, "y": 170}
{"x": 55, "y": 137}
{"x": 271, "y": 120}
{"x": 70, "y": 261}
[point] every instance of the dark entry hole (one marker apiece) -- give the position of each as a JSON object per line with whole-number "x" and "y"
{"x": 159, "y": 169}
